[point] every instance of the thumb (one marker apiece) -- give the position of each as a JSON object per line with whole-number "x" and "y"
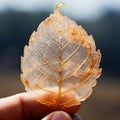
{"x": 58, "y": 115}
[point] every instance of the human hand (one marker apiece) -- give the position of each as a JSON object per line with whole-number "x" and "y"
{"x": 23, "y": 107}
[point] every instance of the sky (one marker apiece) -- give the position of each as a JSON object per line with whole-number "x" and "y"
{"x": 75, "y": 8}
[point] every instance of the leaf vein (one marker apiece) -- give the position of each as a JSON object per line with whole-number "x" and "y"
{"x": 45, "y": 44}
{"x": 74, "y": 71}
{"x": 71, "y": 54}
{"x": 45, "y": 59}
{"x": 41, "y": 71}
{"x": 50, "y": 37}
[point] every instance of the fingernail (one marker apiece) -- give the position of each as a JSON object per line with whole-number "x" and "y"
{"x": 60, "y": 116}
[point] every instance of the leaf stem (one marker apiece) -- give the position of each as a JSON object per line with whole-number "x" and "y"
{"x": 60, "y": 69}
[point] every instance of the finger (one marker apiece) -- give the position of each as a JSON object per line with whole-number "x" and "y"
{"x": 58, "y": 115}
{"x": 22, "y": 106}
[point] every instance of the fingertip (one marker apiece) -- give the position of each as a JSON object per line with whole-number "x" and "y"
{"x": 58, "y": 115}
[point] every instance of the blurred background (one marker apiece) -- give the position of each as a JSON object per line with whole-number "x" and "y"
{"x": 101, "y": 18}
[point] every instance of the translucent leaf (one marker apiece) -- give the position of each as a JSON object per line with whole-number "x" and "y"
{"x": 60, "y": 65}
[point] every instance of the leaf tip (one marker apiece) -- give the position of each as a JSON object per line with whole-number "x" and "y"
{"x": 58, "y": 6}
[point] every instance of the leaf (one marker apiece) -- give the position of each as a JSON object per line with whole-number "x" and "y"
{"x": 60, "y": 65}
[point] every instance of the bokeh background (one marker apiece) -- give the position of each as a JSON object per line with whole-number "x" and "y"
{"x": 19, "y": 18}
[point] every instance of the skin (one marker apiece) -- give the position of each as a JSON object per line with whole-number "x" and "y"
{"x": 22, "y": 107}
